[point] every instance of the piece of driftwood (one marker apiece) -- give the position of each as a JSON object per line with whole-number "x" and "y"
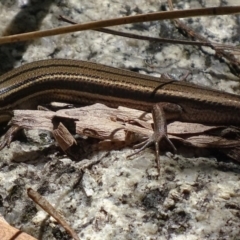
{"x": 8, "y": 232}
{"x": 120, "y": 127}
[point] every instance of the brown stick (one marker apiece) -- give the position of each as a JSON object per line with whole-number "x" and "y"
{"x": 121, "y": 21}
{"x": 44, "y": 204}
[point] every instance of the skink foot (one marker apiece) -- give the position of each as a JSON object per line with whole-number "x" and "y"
{"x": 160, "y": 130}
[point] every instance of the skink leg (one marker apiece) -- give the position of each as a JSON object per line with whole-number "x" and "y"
{"x": 159, "y": 113}
{"x": 9, "y": 135}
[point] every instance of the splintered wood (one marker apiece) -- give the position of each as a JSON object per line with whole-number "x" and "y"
{"x": 123, "y": 127}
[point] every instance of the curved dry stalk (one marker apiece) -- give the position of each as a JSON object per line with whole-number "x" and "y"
{"x": 157, "y": 39}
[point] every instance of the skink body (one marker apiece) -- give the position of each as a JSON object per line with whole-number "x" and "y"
{"x": 86, "y": 83}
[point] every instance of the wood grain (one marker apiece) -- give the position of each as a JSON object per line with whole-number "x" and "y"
{"x": 8, "y": 232}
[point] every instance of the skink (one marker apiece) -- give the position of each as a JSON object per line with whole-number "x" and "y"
{"x": 83, "y": 82}
{"x": 86, "y": 83}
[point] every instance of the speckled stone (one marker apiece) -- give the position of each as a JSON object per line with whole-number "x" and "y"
{"x": 116, "y": 197}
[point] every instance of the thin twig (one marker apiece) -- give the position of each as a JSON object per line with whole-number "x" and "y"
{"x": 44, "y": 204}
{"x": 220, "y": 52}
{"x": 162, "y": 40}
